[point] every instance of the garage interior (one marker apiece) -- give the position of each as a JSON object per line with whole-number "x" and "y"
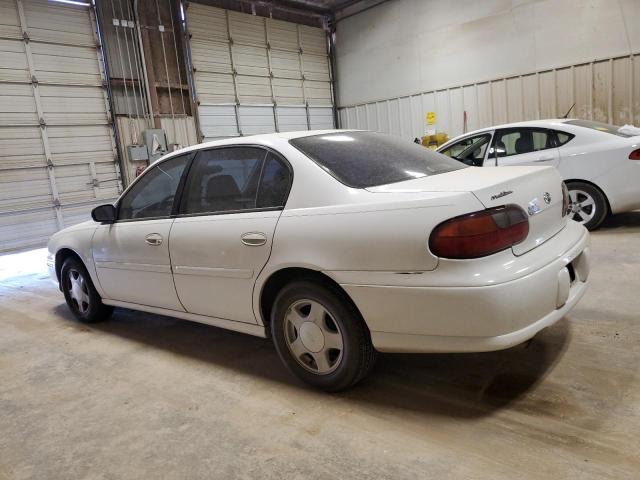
{"x": 91, "y": 92}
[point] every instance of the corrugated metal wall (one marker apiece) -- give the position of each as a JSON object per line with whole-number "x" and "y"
{"x": 606, "y": 90}
{"x": 257, "y": 75}
{"x": 57, "y": 152}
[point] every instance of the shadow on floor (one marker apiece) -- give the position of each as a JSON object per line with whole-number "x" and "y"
{"x": 623, "y": 221}
{"x": 452, "y": 385}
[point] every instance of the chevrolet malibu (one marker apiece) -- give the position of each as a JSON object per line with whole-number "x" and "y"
{"x": 336, "y": 244}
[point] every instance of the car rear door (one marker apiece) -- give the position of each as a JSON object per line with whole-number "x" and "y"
{"x": 524, "y": 146}
{"x": 222, "y": 236}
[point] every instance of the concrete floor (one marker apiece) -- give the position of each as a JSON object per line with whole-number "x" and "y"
{"x": 144, "y": 396}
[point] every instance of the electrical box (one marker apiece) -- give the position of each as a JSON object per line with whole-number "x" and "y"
{"x": 138, "y": 153}
{"x": 156, "y": 143}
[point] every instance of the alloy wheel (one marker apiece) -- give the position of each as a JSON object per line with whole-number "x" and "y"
{"x": 582, "y": 206}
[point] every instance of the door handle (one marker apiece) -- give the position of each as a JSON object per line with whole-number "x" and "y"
{"x": 153, "y": 239}
{"x": 253, "y": 239}
{"x": 543, "y": 158}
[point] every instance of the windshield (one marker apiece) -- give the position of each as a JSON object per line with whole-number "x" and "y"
{"x": 602, "y": 127}
{"x": 367, "y": 159}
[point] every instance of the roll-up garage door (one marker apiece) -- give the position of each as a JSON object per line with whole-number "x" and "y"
{"x": 57, "y": 152}
{"x": 257, "y": 75}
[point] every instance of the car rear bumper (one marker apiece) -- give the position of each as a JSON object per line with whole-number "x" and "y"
{"x": 472, "y": 318}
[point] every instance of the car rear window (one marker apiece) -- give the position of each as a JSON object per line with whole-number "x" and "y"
{"x": 366, "y": 159}
{"x": 601, "y": 127}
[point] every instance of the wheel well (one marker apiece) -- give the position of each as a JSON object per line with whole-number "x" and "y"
{"x": 61, "y": 256}
{"x": 606, "y": 199}
{"x": 279, "y": 279}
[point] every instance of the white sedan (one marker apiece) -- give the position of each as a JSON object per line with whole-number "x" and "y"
{"x": 337, "y": 244}
{"x": 599, "y": 162}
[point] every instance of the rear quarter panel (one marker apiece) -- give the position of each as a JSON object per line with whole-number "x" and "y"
{"x": 380, "y": 236}
{"x": 603, "y": 159}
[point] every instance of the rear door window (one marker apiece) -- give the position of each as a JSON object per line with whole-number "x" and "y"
{"x": 223, "y": 180}
{"x": 518, "y": 141}
{"x": 274, "y": 183}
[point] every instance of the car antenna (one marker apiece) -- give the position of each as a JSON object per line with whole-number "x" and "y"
{"x": 566, "y": 115}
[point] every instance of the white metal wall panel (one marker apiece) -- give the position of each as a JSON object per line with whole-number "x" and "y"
{"x": 606, "y": 90}
{"x": 254, "y": 74}
{"x": 291, "y": 119}
{"x": 218, "y": 121}
{"x": 57, "y": 151}
{"x": 321, "y": 118}
{"x": 256, "y": 119}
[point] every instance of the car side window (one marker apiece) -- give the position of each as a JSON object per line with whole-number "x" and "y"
{"x": 470, "y": 150}
{"x": 274, "y": 183}
{"x": 522, "y": 140}
{"x": 152, "y": 196}
{"x": 563, "y": 137}
{"x": 224, "y": 179}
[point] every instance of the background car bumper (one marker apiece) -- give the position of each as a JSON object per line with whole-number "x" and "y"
{"x": 478, "y": 318}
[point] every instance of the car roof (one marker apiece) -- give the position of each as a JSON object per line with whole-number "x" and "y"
{"x": 261, "y": 139}
{"x": 532, "y": 123}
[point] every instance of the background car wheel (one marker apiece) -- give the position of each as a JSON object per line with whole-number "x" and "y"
{"x": 587, "y": 204}
{"x": 81, "y": 296}
{"x": 320, "y": 336}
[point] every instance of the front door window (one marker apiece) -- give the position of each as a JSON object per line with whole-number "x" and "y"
{"x": 152, "y": 196}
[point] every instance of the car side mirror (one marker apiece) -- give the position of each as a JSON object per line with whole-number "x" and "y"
{"x": 104, "y": 214}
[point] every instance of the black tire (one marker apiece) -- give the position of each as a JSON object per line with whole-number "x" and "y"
{"x": 91, "y": 311}
{"x": 357, "y": 355}
{"x": 582, "y": 191}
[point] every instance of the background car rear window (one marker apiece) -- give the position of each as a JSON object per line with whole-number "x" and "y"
{"x": 366, "y": 159}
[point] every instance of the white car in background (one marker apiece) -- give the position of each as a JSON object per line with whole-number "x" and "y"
{"x": 599, "y": 163}
{"x": 336, "y": 244}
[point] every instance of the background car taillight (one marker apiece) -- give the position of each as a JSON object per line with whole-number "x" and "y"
{"x": 565, "y": 199}
{"x": 635, "y": 155}
{"x": 479, "y": 234}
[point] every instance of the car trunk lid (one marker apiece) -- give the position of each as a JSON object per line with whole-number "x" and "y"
{"x": 537, "y": 190}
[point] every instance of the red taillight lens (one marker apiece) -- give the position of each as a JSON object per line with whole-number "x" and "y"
{"x": 565, "y": 199}
{"x": 635, "y": 155}
{"x": 480, "y": 233}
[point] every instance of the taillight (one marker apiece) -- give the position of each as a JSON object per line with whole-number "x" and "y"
{"x": 635, "y": 155}
{"x": 479, "y": 234}
{"x": 565, "y": 199}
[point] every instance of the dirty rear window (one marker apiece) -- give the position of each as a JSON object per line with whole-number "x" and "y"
{"x": 601, "y": 127}
{"x": 366, "y": 159}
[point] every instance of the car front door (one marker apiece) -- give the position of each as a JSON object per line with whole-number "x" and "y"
{"x": 524, "y": 146}
{"x": 132, "y": 254}
{"x": 222, "y": 237}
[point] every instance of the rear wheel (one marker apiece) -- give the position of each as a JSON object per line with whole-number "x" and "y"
{"x": 587, "y": 204}
{"x": 82, "y": 298}
{"x": 320, "y": 336}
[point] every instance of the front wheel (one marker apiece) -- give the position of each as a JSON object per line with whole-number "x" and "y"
{"x": 320, "y": 336}
{"x": 82, "y": 298}
{"x": 587, "y": 204}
